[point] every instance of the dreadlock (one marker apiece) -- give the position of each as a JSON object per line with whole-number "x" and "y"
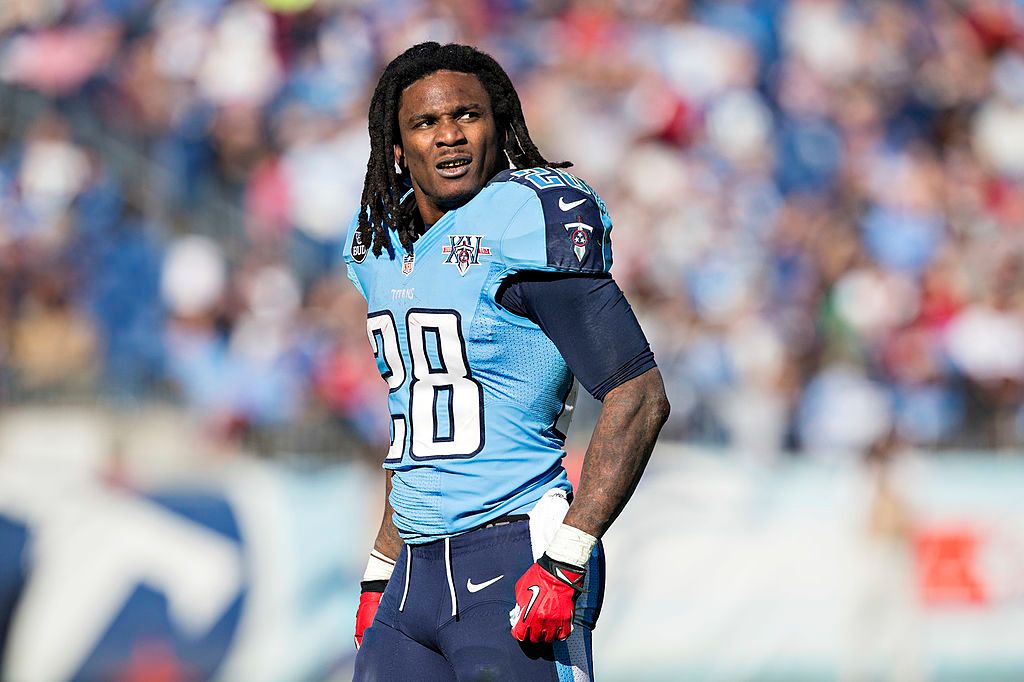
{"x": 383, "y": 187}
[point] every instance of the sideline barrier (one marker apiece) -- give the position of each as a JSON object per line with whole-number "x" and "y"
{"x": 818, "y": 569}
{"x": 718, "y": 570}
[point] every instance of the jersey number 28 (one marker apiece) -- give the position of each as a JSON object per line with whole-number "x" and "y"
{"x": 446, "y": 407}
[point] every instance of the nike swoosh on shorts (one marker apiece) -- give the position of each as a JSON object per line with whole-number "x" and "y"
{"x": 476, "y": 587}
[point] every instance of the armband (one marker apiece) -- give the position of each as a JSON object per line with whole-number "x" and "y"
{"x": 378, "y": 567}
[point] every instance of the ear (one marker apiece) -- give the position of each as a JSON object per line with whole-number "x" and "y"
{"x": 399, "y": 160}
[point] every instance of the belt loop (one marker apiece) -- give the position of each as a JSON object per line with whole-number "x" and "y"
{"x": 451, "y": 579}
{"x": 408, "y": 572}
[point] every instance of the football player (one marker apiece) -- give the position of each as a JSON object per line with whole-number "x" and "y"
{"x": 486, "y": 271}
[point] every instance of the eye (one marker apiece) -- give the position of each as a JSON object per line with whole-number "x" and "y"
{"x": 469, "y": 116}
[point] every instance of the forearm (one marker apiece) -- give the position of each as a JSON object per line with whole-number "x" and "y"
{"x": 621, "y": 445}
{"x": 379, "y": 568}
{"x": 388, "y": 541}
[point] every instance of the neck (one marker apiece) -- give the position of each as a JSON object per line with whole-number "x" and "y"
{"x": 421, "y": 225}
{"x": 427, "y": 215}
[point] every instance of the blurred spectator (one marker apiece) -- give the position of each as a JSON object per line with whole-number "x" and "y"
{"x": 818, "y": 203}
{"x": 53, "y": 346}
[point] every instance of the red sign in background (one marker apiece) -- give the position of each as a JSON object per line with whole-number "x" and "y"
{"x": 948, "y": 566}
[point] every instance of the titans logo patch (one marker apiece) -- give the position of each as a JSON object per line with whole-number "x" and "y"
{"x": 579, "y": 233}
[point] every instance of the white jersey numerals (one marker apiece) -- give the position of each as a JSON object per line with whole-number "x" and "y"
{"x": 445, "y": 402}
{"x": 444, "y": 393}
{"x": 380, "y": 328}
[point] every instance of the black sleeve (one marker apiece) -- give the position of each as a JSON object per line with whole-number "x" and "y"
{"x": 590, "y": 322}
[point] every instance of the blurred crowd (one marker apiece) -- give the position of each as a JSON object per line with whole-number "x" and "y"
{"x": 819, "y": 204}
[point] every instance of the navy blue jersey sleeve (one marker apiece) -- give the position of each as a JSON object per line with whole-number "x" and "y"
{"x": 588, "y": 319}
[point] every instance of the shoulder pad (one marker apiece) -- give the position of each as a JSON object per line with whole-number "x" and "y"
{"x": 574, "y": 219}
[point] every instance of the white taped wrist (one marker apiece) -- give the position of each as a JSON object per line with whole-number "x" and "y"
{"x": 571, "y": 546}
{"x": 378, "y": 567}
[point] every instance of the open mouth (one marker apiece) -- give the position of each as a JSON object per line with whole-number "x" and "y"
{"x": 454, "y": 167}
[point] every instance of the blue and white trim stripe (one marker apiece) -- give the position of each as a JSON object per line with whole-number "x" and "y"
{"x": 588, "y": 608}
{"x": 574, "y": 658}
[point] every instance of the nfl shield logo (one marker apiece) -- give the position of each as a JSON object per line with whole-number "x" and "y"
{"x": 408, "y": 262}
{"x": 464, "y": 250}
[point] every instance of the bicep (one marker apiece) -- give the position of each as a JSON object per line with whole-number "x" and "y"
{"x": 589, "y": 321}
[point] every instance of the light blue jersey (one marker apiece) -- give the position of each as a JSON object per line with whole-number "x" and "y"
{"x": 480, "y": 398}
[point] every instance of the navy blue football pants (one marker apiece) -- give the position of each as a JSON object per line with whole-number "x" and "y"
{"x": 444, "y": 615}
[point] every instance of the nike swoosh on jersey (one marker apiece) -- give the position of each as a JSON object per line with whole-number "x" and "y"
{"x": 568, "y": 207}
{"x": 535, "y": 589}
{"x": 476, "y": 587}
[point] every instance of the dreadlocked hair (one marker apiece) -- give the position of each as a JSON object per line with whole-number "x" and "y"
{"x": 384, "y": 187}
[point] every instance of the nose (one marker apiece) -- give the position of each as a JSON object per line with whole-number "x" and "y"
{"x": 449, "y": 133}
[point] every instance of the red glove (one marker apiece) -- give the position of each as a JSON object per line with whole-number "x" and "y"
{"x": 369, "y": 600}
{"x": 546, "y": 601}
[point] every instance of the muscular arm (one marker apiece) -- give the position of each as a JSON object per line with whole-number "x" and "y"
{"x": 546, "y": 594}
{"x": 631, "y": 418}
{"x": 593, "y": 326}
{"x": 388, "y": 542}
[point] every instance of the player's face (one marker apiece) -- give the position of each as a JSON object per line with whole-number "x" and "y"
{"x": 450, "y": 141}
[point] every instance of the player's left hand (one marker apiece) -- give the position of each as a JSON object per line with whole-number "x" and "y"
{"x": 369, "y": 600}
{"x": 546, "y": 601}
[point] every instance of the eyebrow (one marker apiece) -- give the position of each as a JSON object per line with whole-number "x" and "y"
{"x": 460, "y": 109}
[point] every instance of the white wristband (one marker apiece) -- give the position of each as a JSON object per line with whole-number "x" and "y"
{"x": 571, "y": 546}
{"x": 378, "y": 567}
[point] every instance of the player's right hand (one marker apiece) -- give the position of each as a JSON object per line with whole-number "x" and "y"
{"x": 369, "y": 600}
{"x": 546, "y": 601}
